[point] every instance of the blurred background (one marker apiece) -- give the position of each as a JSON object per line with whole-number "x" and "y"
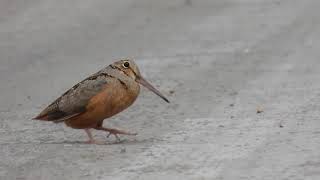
{"x": 242, "y": 77}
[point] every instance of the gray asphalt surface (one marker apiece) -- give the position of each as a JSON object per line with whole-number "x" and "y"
{"x": 217, "y": 61}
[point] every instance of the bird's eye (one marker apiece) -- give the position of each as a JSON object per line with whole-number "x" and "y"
{"x": 126, "y": 64}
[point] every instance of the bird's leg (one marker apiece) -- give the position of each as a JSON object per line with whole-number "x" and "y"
{"x": 91, "y": 139}
{"x": 115, "y": 132}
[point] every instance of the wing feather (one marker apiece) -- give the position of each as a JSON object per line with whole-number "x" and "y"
{"x": 74, "y": 101}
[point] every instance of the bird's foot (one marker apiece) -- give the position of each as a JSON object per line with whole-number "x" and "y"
{"x": 115, "y": 132}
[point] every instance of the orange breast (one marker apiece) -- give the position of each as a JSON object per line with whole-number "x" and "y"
{"x": 112, "y": 100}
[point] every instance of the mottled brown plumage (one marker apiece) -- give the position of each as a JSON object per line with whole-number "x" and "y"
{"x": 100, "y": 96}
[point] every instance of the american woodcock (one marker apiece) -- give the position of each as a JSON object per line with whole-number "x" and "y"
{"x": 100, "y": 96}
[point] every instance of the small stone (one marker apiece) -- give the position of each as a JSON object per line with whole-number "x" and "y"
{"x": 259, "y": 110}
{"x": 171, "y": 91}
{"x": 123, "y": 150}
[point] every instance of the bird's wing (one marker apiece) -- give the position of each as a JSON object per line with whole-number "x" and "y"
{"x": 74, "y": 101}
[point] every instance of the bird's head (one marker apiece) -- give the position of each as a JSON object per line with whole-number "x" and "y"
{"x": 130, "y": 69}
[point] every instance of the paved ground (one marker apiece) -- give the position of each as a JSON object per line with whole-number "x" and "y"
{"x": 217, "y": 61}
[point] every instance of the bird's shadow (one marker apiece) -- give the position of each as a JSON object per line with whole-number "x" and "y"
{"x": 124, "y": 141}
{"x": 66, "y": 142}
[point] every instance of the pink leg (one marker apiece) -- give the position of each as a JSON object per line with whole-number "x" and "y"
{"x": 91, "y": 139}
{"x": 115, "y": 132}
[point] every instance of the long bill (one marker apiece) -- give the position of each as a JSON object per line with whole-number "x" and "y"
{"x": 146, "y": 84}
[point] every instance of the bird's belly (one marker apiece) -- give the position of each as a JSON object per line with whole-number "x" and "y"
{"x": 119, "y": 103}
{"x": 102, "y": 106}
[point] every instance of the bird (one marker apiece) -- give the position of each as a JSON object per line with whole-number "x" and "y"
{"x": 98, "y": 97}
